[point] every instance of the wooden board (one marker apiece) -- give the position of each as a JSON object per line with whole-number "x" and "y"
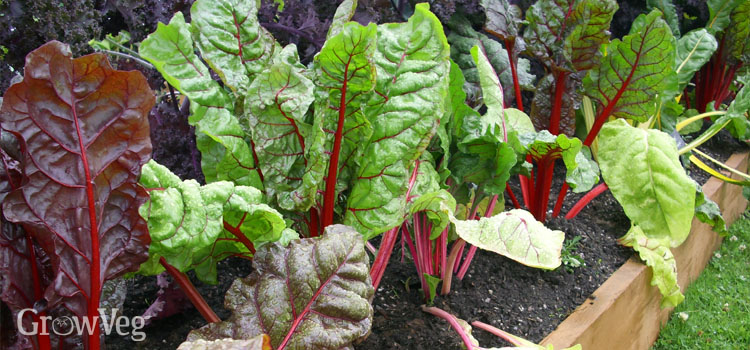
{"x": 624, "y": 313}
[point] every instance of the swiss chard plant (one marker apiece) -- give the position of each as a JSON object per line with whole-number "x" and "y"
{"x": 82, "y": 136}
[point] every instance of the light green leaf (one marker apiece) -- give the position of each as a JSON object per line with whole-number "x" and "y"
{"x": 708, "y": 212}
{"x": 343, "y": 14}
{"x": 694, "y": 49}
{"x": 633, "y": 70}
{"x": 585, "y": 174}
{"x": 515, "y": 234}
{"x": 219, "y": 136}
{"x": 186, "y": 221}
{"x": 276, "y": 102}
{"x": 643, "y": 171}
{"x": 231, "y": 40}
{"x": 432, "y": 284}
{"x": 656, "y": 254}
{"x": 413, "y": 67}
{"x": 592, "y": 19}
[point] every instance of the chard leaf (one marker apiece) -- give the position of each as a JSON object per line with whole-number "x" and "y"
{"x": 694, "y": 50}
{"x": 738, "y": 34}
{"x": 566, "y": 34}
{"x": 186, "y": 221}
{"x": 85, "y": 133}
{"x": 515, "y": 234}
{"x": 669, "y": 11}
{"x": 738, "y": 125}
{"x": 219, "y": 136}
{"x": 463, "y": 37}
{"x": 503, "y": 18}
{"x": 231, "y": 40}
{"x": 657, "y": 255}
{"x": 582, "y": 172}
{"x": 312, "y": 294}
{"x": 261, "y": 342}
{"x": 344, "y": 75}
{"x": 343, "y": 14}
{"x": 592, "y": 19}
{"x": 646, "y": 177}
{"x": 276, "y": 103}
{"x": 541, "y": 105}
{"x": 720, "y": 11}
{"x": 708, "y": 212}
{"x": 412, "y": 61}
{"x": 633, "y": 70}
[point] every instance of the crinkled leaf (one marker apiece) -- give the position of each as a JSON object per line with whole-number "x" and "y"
{"x": 566, "y": 34}
{"x": 720, "y": 11}
{"x": 633, "y": 70}
{"x": 413, "y": 67}
{"x": 669, "y": 12}
{"x": 224, "y": 153}
{"x": 694, "y": 49}
{"x": 231, "y": 40}
{"x": 515, "y": 234}
{"x": 312, "y": 294}
{"x": 586, "y": 173}
{"x": 656, "y": 254}
{"x": 739, "y": 125}
{"x": 463, "y": 37}
{"x": 646, "y": 177}
{"x": 487, "y": 165}
{"x": 344, "y": 75}
{"x": 343, "y": 14}
{"x": 591, "y": 19}
{"x": 261, "y": 342}
{"x": 276, "y": 102}
{"x": 708, "y": 212}
{"x": 737, "y": 36}
{"x": 541, "y": 105}
{"x": 186, "y": 221}
{"x": 503, "y": 18}
{"x": 454, "y": 115}
{"x": 86, "y": 135}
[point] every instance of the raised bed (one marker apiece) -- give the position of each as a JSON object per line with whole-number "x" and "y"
{"x": 624, "y": 313}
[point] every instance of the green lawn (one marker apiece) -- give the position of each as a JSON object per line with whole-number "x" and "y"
{"x": 716, "y": 311}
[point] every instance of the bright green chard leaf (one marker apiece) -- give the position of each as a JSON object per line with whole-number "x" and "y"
{"x": 503, "y": 18}
{"x": 669, "y": 11}
{"x": 313, "y": 294}
{"x": 343, "y": 14}
{"x": 643, "y": 171}
{"x": 277, "y": 101}
{"x": 633, "y": 70}
{"x": 231, "y": 40}
{"x": 463, "y": 37}
{"x": 694, "y": 50}
{"x": 515, "y": 234}
{"x": 737, "y": 36}
{"x": 708, "y": 212}
{"x": 432, "y": 284}
{"x": 219, "y": 136}
{"x": 344, "y": 76}
{"x": 413, "y": 67}
{"x": 186, "y": 221}
{"x": 656, "y": 254}
{"x": 582, "y": 172}
{"x": 719, "y": 14}
{"x": 739, "y": 126}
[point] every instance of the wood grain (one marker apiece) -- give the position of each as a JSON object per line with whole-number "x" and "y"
{"x": 624, "y": 313}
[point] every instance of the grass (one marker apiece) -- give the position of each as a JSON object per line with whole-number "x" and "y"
{"x": 716, "y": 310}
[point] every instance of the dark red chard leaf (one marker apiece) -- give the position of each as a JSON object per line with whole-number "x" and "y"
{"x": 84, "y": 135}
{"x": 503, "y": 18}
{"x": 312, "y": 294}
{"x": 544, "y": 99}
